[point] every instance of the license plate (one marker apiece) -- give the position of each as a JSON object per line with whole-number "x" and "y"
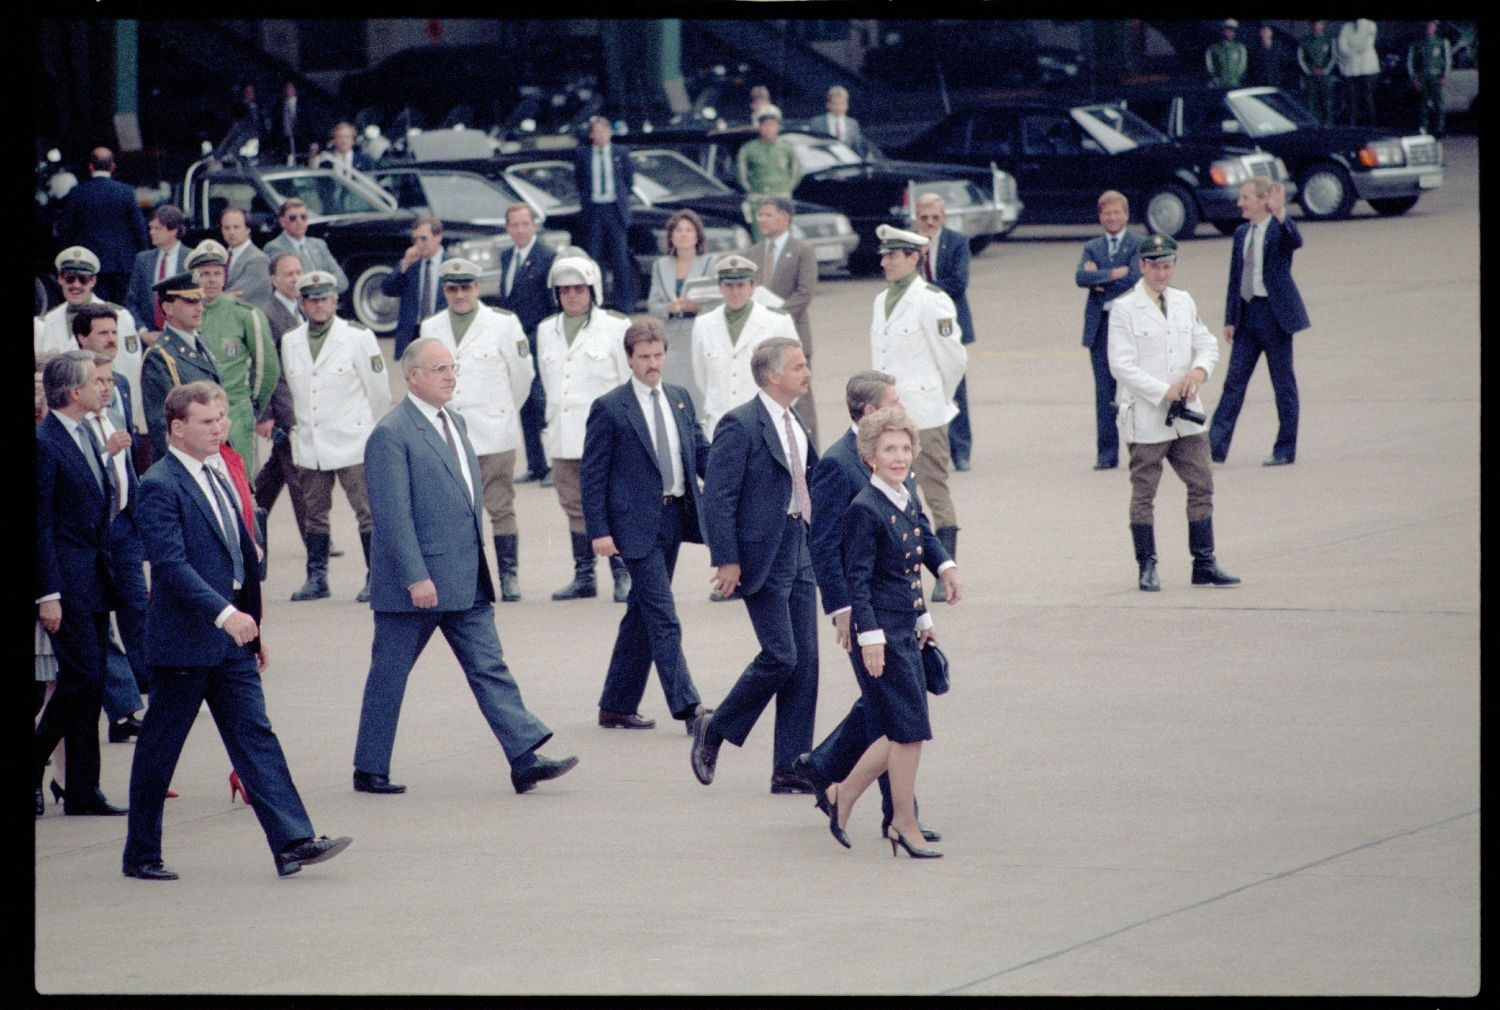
{"x": 828, "y": 252}
{"x": 1430, "y": 181}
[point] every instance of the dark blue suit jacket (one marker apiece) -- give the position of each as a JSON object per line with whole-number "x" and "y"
{"x": 1096, "y": 251}
{"x": 102, "y": 214}
{"x": 745, "y": 492}
{"x": 583, "y": 175}
{"x": 530, "y": 298}
{"x": 407, "y": 286}
{"x": 192, "y": 572}
{"x": 951, "y": 273}
{"x": 1282, "y": 239}
{"x": 622, "y": 492}
{"x": 426, "y": 526}
{"x": 139, "y": 298}
{"x": 879, "y": 559}
{"x": 72, "y": 521}
{"x": 839, "y": 476}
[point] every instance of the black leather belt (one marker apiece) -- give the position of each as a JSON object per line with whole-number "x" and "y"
{"x": 670, "y": 499}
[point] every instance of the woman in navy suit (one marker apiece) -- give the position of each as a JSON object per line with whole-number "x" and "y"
{"x": 883, "y": 534}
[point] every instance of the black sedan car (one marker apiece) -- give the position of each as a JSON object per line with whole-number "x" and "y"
{"x": 1063, "y": 157}
{"x": 870, "y": 190}
{"x": 1333, "y": 165}
{"x": 364, "y": 229}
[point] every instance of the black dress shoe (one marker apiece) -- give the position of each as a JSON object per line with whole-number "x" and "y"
{"x": 315, "y": 850}
{"x": 531, "y": 478}
{"x": 783, "y": 784}
{"x": 122, "y": 731}
{"x": 1106, "y": 464}
{"x": 927, "y": 833}
{"x": 624, "y": 720}
{"x": 91, "y": 806}
{"x": 693, "y": 713}
{"x": 802, "y": 768}
{"x": 544, "y": 769}
{"x": 1217, "y": 457}
{"x": 960, "y": 462}
{"x": 1278, "y": 461}
{"x": 705, "y": 755}
{"x": 369, "y": 782}
{"x": 148, "y": 871}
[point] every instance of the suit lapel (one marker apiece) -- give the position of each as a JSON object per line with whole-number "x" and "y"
{"x": 768, "y": 432}
{"x": 70, "y": 451}
{"x": 638, "y": 419}
{"x": 196, "y": 492}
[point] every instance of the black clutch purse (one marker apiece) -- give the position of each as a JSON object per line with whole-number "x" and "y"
{"x": 935, "y": 666}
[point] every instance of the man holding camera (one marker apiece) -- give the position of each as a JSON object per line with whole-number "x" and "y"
{"x": 1160, "y": 353}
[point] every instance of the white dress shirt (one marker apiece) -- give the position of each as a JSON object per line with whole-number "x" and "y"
{"x": 603, "y": 173}
{"x": 104, "y": 427}
{"x": 777, "y": 411}
{"x": 1255, "y": 256}
{"x": 196, "y": 469}
{"x": 674, "y": 442}
{"x": 431, "y": 413}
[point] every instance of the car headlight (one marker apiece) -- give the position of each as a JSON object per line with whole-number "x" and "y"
{"x": 483, "y": 252}
{"x": 1381, "y": 154}
{"x": 1229, "y": 173}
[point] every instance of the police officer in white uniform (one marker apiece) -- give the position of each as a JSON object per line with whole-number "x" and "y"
{"x": 581, "y": 356}
{"x": 77, "y": 273}
{"x": 915, "y": 336}
{"x": 336, "y": 374}
{"x": 490, "y": 348}
{"x": 1160, "y": 353}
{"x": 725, "y": 338}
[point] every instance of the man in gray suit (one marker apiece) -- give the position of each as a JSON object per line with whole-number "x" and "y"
{"x": 837, "y": 122}
{"x": 312, "y": 251}
{"x": 428, "y": 571}
{"x": 789, "y": 268}
{"x": 249, "y": 271}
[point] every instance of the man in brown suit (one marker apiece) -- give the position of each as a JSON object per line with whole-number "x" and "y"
{"x": 789, "y": 268}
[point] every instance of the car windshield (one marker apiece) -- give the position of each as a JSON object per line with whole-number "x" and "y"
{"x": 549, "y": 184}
{"x": 468, "y": 197}
{"x": 1267, "y": 113}
{"x": 1116, "y": 129}
{"x": 819, "y": 153}
{"x": 326, "y": 194}
{"x": 667, "y": 175}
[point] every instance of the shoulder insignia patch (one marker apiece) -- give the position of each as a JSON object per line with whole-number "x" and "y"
{"x": 945, "y": 327}
{"x": 132, "y": 343}
{"x": 231, "y": 349}
{"x": 377, "y": 363}
{"x": 523, "y": 347}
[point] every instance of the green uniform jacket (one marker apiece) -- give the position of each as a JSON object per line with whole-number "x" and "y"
{"x": 768, "y": 168}
{"x": 1226, "y": 63}
{"x": 1429, "y": 58}
{"x": 239, "y": 337}
{"x": 1316, "y": 53}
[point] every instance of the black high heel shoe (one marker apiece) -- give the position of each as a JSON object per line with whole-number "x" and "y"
{"x": 927, "y": 833}
{"x": 833, "y": 821}
{"x": 912, "y": 850}
{"x": 58, "y": 793}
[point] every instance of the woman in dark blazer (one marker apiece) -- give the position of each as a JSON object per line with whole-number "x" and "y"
{"x": 685, "y": 260}
{"x": 883, "y": 533}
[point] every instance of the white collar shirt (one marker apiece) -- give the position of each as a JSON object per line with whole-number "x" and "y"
{"x": 777, "y": 412}
{"x": 196, "y": 469}
{"x": 431, "y": 413}
{"x": 674, "y": 442}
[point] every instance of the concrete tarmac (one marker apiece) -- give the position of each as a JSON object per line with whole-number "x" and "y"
{"x": 1269, "y": 789}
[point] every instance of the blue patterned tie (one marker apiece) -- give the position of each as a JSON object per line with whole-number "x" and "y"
{"x": 228, "y": 521}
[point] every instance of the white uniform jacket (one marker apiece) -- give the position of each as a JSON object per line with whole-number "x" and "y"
{"x": 721, "y": 367}
{"x": 920, "y": 344}
{"x": 54, "y": 337}
{"x": 574, "y": 377}
{"x": 495, "y": 377}
{"x": 336, "y": 399}
{"x": 1148, "y": 352}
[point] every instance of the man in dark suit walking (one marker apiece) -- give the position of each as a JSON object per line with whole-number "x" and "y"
{"x": 103, "y": 215}
{"x": 643, "y": 453}
{"x": 946, "y": 264}
{"x": 428, "y": 571}
{"x": 165, "y": 259}
{"x": 203, "y": 643}
{"x": 1109, "y": 267}
{"x": 74, "y": 593}
{"x": 523, "y": 290}
{"x": 839, "y": 475}
{"x": 1262, "y": 310}
{"x": 756, "y": 510}
{"x": 789, "y": 267}
{"x": 604, "y": 176}
{"x": 415, "y": 281}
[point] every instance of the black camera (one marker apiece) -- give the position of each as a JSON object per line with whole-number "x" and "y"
{"x": 1179, "y": 408}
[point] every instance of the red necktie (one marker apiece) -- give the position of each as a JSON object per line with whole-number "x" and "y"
{"x": 927, "y": 267}
{"x": 161, "y": 275}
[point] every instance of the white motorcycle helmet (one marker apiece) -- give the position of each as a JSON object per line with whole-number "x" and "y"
{"x": 573, "y": 266}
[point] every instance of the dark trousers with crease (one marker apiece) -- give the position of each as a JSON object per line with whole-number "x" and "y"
{"x": 784, "y": 614}
{"x": 533, "y": 420}
{"x": 238, "y": 706}
{"x": 1258, "y": 333}
{"x": 126, "y": 558}
{"x": 280, "y": 472}
{"x": 1106, "y": 432}
{"x": 399, "y": 640}
{"x": 649, "y": 631}
{"x": 960, "y": 435}
{"x": 72, "y": 713}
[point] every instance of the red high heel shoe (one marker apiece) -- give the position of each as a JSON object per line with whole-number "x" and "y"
{"x": 171, "y": 793}
{"x": 236, "y": 786}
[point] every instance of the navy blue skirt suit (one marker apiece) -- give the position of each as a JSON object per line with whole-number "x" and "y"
{"x": 883, "y": 565}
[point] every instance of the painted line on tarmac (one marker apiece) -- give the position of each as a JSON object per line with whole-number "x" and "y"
{"x": 1209, "y": 901}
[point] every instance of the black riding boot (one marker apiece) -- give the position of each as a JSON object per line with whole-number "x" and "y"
{"x": 582, "y": 587}
{"x": 364, "y": 594}
{"x": 1206, "y": 571}
{"x": 1144, "y": 535}
{"x": 316, "y": 586}
{"x": 506, "y": 546}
